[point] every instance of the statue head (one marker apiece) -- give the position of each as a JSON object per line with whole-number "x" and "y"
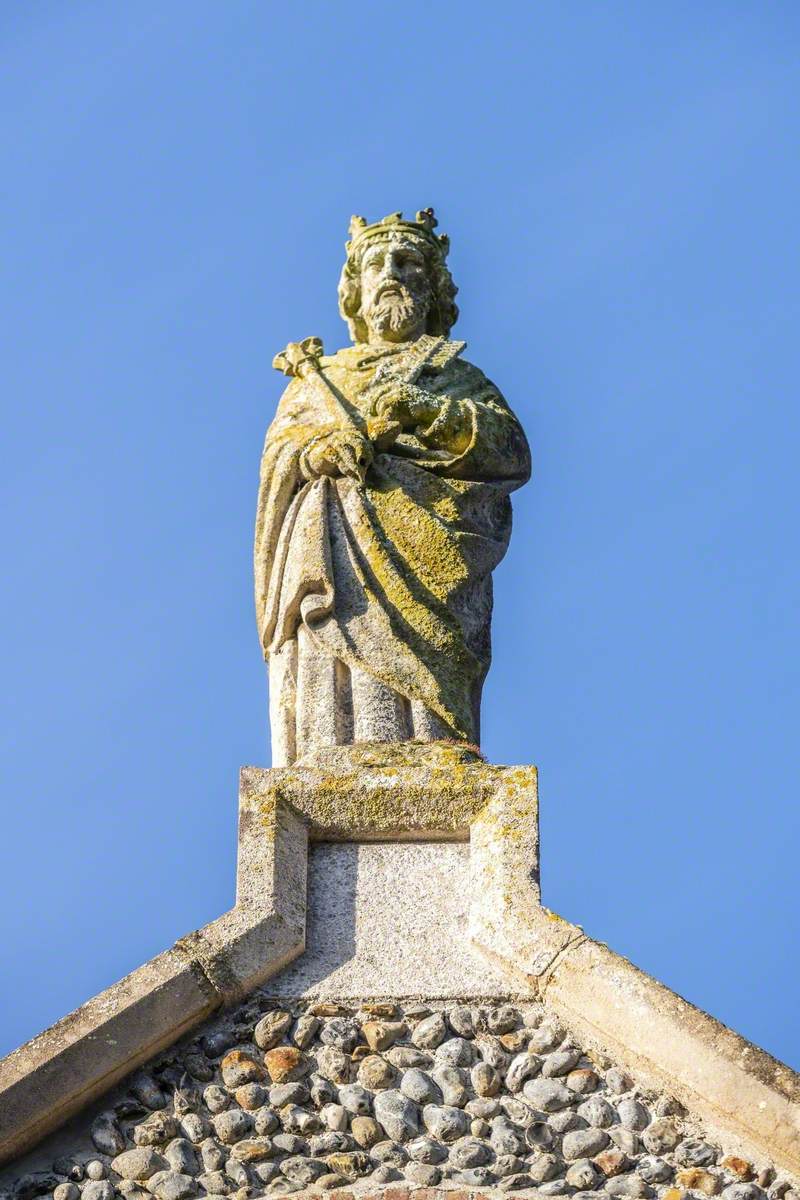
{"x": 395, "y": 284}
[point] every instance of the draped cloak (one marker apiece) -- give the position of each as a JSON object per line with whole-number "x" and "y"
{"x": 391, "y": 577}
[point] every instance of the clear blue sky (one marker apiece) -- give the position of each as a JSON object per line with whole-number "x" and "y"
{"x": 620, "y": 183}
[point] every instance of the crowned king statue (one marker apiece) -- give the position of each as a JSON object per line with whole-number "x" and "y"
{"x": 383, "y": 509}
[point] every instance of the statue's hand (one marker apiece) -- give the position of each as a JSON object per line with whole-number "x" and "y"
{"x": 338, "y": 452}
{"x": 409, "y": 406}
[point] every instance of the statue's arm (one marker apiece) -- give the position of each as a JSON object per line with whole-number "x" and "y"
{"x": 475, "y": 425}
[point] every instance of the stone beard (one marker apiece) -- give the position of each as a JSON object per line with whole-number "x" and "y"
{"x": 383, "y": 510}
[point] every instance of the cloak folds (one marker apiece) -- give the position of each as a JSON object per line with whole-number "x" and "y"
{"x": 391, "y": 578}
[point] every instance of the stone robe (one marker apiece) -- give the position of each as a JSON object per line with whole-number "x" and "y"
{"x": 374, "y": 600}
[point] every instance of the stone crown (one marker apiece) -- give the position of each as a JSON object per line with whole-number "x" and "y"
{"x": 422, "y": 227}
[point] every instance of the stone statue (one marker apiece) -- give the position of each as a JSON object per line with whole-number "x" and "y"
{"x": 383, "y": 509}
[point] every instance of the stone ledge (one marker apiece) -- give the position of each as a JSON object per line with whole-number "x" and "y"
{"x": 743, "y": 1094}
{"x": 395, "y": 792}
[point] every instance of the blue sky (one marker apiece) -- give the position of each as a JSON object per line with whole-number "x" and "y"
{"x": 620, "y": 185}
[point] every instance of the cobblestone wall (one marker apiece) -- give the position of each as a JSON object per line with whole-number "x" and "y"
{"x": 281, "y": 1098}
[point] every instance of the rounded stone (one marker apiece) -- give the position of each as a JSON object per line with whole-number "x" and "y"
{"x": 326, "y": 1183}
{"x": 375, "y": 1073}
{"x": 503, "y": 1020}
{"x": 198, "y": 1068}
{"x": 252, "y": 1096}
{"x": 549, "y": 1095}
{"x": 582, "y": 1175}
{"x": 430, "y": 1032}
{"x": 181, "y": 1156}
{"x": 517, "y": 1183}
{"x": 518, "y": 1111}
{"x": 405, "y": 1057}
{"x": 693, "y": 1153}
{"x": 213, "y": 1155}
{"x": 157, "y": 1129}
{"x": 612, "y": 1161}
{"x": 485, "y": 1080}
{"x": 147, "y": 1091}
{"x": 564, "y": 1120}
{"x": 342, "y": 1032}
{"x": 583, "y": 1143}
{"x": 474, "y": 1177}
{"x": 462, "y": 1021}
{"x": 216, "y": 1099}
{"x": 546, "y": 1037}
{"x": 66, "y": 1191}
{"x": 468, "y": 1152}
{"x": 560, "y": 1062}
{"x": 366, "y": 1131}
{"x": 625, "y": 1139}
{"x": 480, "y": 1128}
{"x": 352, "y": 1164}
{"x": 290, "y": 1143}
{"x": 303, "y": 1170}
{"x": 555, "y": 1187}
{"x": 445, "y": 1122}
{"x": 618, "y": 1082}
{"x": 304, "y": 1031}
{"x": 271, "y": 1028}
{"x": 451, "y": 1081}
{"x": 483, "y": 1107}
{"x": 544, "y": 1167}
{"x": 252, "y": 1150}
{"x": 355, "y": 1098}
{"x": 653, "y": 1169}
{"x": 95, "y": 1169}
{"x": 232, "y": 1125}
{"x": 335, "y": 1117}
{"x": 426, "y": 1150}
{"x": 215, "y": 1044}
{"x": 390, "y": 1153}
{"x": 746, "y": 1191}
{"x": 633, "y": 1114}
{"x": 239, "y": 1067}
{"x": 522, "y": 1067}
{"x": 171, "y": 1185}
{"x": 285, "y": 1064}
{"x": 597, "y": 1111}
{"x": 627, "y": 1185}
{"x": 265, "y": 1121}
{"x": 516, "y": 1041}
{"x": 419, "y": 1087}
{"x": 214, "y": 1181}
{"x": 492, "y": 1051}
{"x": 101, "y": 1189}
{"x": 380, "y": 1035}
{"x": 333, "y": 1065}
{"x": 455, "y": 1052}
{"x": 107, "y": 1136}
{"x": 397, "y": 1115}
{"x": 195, "y": 1127}
{"x": 508, "y": 1164}
{"x": 423, "y": 1173}
{"x": 506, "y": 1139}
{"x": 329, "y": 1143}
{"x": 322, "y": 1090}
{"x": 281, "y": 1094}
{"x": 582, "y": 1080}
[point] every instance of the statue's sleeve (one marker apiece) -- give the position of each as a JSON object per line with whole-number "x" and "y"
{"x": 478, "y": 429}
{"x": 280, "y": 478}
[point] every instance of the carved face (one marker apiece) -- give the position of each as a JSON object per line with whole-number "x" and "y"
{"x": 395, "y": 290}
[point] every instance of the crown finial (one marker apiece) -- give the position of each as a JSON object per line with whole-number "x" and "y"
{"x": 422, "y": 226}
